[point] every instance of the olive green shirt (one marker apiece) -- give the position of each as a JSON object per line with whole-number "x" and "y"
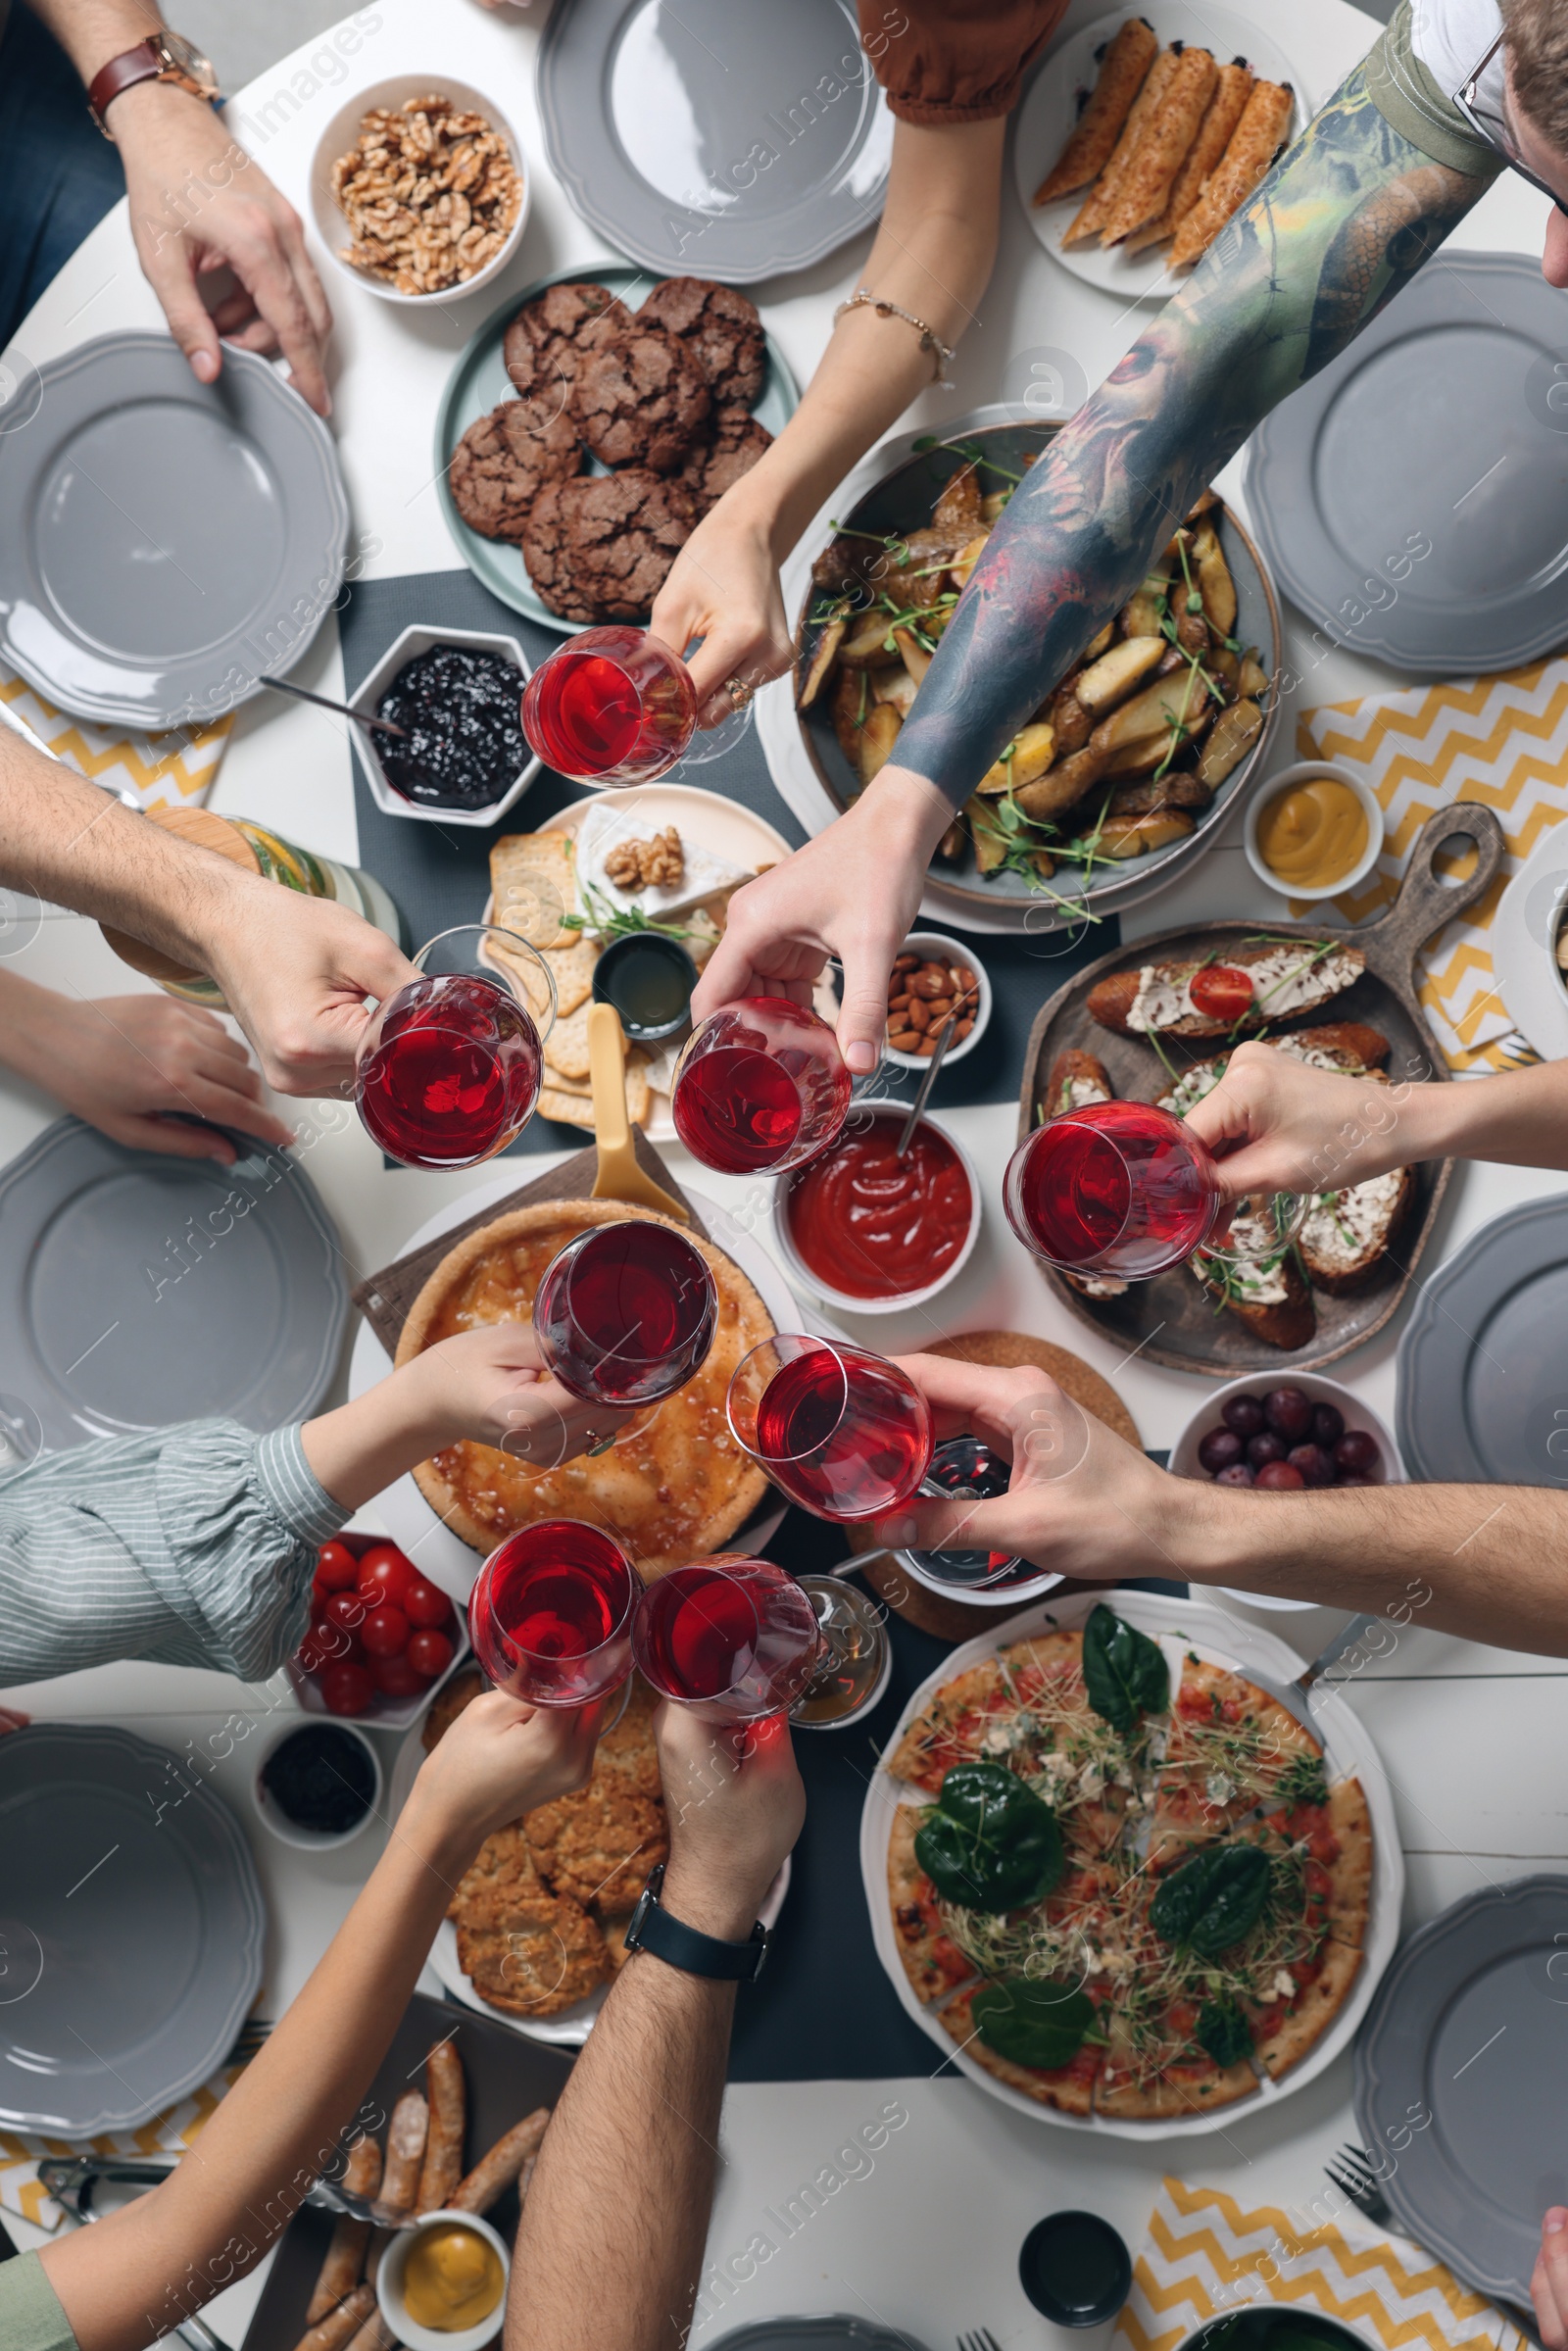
{"x": 1408, "y": 95}
{"x": 31, "y": 2318}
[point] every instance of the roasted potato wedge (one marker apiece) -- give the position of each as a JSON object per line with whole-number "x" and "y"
{"x": 991, "y": 507}
{"x": 851, "y": 707}
{"x": 1236, "y": 730}
{"x": 1135, "y": 836}
{"x": 1068, "y": 716}
{"x": 1102, "y": 643}
{"x": 1033, "y": 749}
{"x": 1110, "y": 679}
{"x": 1151, "y": 751}
{"x": 915, "y": 658}
{"x": 968, "y": 555}
{"x": 1214, "y": 582}
{"x": 989, "y": 841}
{"x": 877, "y": 738}
{"x": 896, "y": 686}
{"x": 1170, "y": 699}
{"x": 823, "y": 663}
{"x": 866, "y": 647}
{"x": 1061, "y": 786}
{"x": 1140, "y": 616}
{"x": 1252, "y": 679}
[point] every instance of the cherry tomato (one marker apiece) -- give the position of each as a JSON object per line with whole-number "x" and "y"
{"x": 427, "y": 1604}
{"x": 345, "y": 1609}
{"x": 429, "y": 1652}
{"x": 384, "y": 1574}
{"x": 396, "y": 1677}
{"x": 315, "y": 1649}
{"x": 348, "y": 1688}
{"x": 1221, "y": 991}
{"x": 336, "y": 1568}
{"x": 385, "y": 1632}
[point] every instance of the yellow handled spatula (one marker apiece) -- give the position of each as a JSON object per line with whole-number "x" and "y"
{"x": 620, "y": 1176}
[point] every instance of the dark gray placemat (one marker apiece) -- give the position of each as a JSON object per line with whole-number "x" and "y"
{"x": 440, "y": 876}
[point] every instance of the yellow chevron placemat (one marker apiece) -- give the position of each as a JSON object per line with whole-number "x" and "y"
{"x": 170, "y": 2134}
{"x": 1205, "y": 2258}
{"x": 161, "y": 772}
{"x": 1502, "y": 741}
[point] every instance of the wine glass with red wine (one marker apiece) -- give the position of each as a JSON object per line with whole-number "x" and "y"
{"x": 450, "y": 1068}
{"x": 730, "y": 1638}
{"x": 550, "y": 1613}
{"x": 1125, "y": 1189}
{"x": 626, "y": 1312}
{"x": 610, "y": 707}
{"x": 841, "y": 1431}
{"x": 760, "y": 1087}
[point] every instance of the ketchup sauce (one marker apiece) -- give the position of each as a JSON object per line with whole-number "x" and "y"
{"x": 873, "y": 1225}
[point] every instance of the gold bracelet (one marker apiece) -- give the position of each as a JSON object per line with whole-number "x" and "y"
{"x": 930, "y": 340}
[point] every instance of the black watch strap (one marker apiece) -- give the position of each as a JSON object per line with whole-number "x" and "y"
{"x": 652, "y": 1929}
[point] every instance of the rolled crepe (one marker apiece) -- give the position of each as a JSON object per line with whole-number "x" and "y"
{"x": 1232, "y": 89}
{"x": 1093, "y": 215}
{"x": 1126, "y": 61}
{"x": 1255, "y": 141}
{"x": 1159, "y": 154}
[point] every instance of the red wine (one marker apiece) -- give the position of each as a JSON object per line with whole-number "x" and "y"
{"x": 626, "y": 1313}
{"x": 550, "y": 1613}
{"x": 1118, "y": 1188}
{"x": 454, "y": 1075}
{"x": 735, "y": 1638}
{"x": 759, "y": 1087}
{"x": 614, "y": 707}
{"x": 844, "y": 1433}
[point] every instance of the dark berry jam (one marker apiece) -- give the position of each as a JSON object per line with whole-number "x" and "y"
{"x": 461, "y": 710}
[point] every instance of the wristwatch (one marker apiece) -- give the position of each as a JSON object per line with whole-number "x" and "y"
{"x": 164, "y": 57}
{"x": 652, "y": 1929}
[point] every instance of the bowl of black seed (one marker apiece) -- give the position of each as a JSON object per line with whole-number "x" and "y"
{"x": 457, "y": 695}
{"x": 318, "y": 1783}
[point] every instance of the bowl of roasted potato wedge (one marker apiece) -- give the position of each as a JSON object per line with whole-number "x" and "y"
{"x": 1123, "y": 774}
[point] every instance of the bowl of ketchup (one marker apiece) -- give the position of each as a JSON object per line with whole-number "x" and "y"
{"x": 873, "y": 1232}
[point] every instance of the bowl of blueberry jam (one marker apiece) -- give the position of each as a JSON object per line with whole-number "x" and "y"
{"x": 458, "y": 695}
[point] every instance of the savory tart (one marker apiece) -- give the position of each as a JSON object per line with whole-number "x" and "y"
{"x": 677, "y": 1488}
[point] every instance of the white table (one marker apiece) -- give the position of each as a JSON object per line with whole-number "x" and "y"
{"x": 928, "y": 2239}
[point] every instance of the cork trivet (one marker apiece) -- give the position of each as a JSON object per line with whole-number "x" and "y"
{"x": 384, "y": 1298}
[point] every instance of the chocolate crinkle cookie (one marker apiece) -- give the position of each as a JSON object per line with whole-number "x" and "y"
{"x": 599, "y": 548}
{"x": 731, "y": 447}
{"x": 719, "y": 328}
{"x": 501, "y": 464}
{"x": 640, "y": 399}
{"x": 550, "y": 336}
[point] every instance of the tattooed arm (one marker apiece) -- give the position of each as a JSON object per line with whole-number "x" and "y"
{"x": 1344, "y": 220}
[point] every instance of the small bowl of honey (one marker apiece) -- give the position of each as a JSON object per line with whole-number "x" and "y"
{"x": 442, "y": 2285}
{"x": 1314, "y": 830}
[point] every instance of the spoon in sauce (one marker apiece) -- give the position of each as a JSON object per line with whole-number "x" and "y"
{"x": 948, "y": 1030}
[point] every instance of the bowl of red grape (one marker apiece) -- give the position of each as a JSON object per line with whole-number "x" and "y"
{"x": 1303, "y": 1433}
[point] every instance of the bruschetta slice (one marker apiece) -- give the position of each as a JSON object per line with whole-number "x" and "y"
{"x": 1280, "y": 980}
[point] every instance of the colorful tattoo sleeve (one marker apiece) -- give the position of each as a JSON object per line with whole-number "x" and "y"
{"x": 1343, "y": 221}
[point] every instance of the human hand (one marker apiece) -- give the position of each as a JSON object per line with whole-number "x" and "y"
{"x": 1276, "y": 1124}
{"x": 140, "y": 1067}
{"x": 490, "y": 1386}
{"x": 1080, "y": 1501}
{"x": 1549, "y": 2279}
{"x": 854, "y": 893}
{"x": 724, "y": 587}
{"x": 199, "y": 202}
{"x": 295, "y": 972}
{"x": 735, "y": 1804}
{"x": 499, "y": 1759}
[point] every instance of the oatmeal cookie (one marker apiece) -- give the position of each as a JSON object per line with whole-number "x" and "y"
{"x": 639, "y": 399}
{"x": 599, "y": 1844}
{"x": 719, "y": 328}
{"x": 548, "y": 337}
{"x": 733, "y": 444}
{"x": 600, "y": 548}
{"x": 501, "y": 464}
{"x": 534, "y": 1956}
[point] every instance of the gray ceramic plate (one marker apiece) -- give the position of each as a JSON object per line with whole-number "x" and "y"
{"x": 729, "y": 142}
{"x": 163, "y": 541}
{"x": 130, "y": 1924}
{"x": 1461, "y": 2075}
{"x": 1413, "y": 498}
{"x": 1483, "y": 1390}
{"x": 134, "y": 1294}
{"x": 834, "y": 2333}
{"x": 479, "y": 382}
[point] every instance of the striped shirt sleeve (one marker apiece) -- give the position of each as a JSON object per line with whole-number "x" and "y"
{"x": 191, "y": 1546}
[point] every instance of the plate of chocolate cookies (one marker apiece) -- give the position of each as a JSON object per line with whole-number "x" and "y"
{"x": 587, "y": 429}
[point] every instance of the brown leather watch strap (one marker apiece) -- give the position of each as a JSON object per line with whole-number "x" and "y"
{"x": 144, "y": 63}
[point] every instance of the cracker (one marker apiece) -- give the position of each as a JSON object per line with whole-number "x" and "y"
{"x": 574, "y": 969}
{"x": 533, "y": 882}
{"x": 639, "y": 1093}
{"x": 575, "y": 1109}
{"x": 567, "y": 1046}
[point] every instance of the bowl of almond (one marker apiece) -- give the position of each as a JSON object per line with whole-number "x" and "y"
{"x": 934, "y": 980}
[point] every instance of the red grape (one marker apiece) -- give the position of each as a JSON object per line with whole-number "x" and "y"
{"x": 385, "y": 1632}
{"x": 396, "y": 1678}
{"x": 336, "y": 1568}
{"x": 429, "y": 1652}
{"x": 1289, "y": 1413}
{"x": 1328, "y": 1426}
{"x": 1280, "y": 1477}
{"x": 347, "y": 1688}
{"x": 346, "y": 1610}
{"x": 1357, "y": 1450}
{"x": 426, "y": 1605}
{"x": 1219, "y": 1449}
{"x": 1314, "y": 1464}
{"x": 1265, "y": 1447}
{"x": 1243, "y": 1413}
{"x": 1350, "y": 1477}
{"x": 1238, "y": 1474}
{"x": 384, "y": 1574}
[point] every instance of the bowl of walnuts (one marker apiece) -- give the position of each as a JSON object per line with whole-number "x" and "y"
{"x": 419, "y": 189}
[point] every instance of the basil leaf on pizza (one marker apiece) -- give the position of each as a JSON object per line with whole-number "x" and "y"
{"x": 989, "y": 1844}
{"x": 1224, "y": 2032}
{"x": 1039, "y": 2024}
{"x": 1125, "y": 1674}
{"x": 1212, "y": 1900}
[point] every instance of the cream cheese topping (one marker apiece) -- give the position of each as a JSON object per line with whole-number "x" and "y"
{"x": 1342, "y": 1228}
{"x": 1284, "y": 979}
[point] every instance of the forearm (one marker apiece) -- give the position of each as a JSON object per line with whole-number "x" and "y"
{"x": 359, "y": 1449}
{"x": 1518, "y": 1118}
{"x": 27, "y": 1022}
{"x": 1335, "y": 231}
{"x": 92, "y": 31}
{"x": 279, "y": 2127}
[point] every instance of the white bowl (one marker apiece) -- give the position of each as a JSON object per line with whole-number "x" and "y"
{"x": 800, "y": 1274}
{"x": 342, "y": 133}
{"x": 1184, "y": 1461}
{"x": 1306, "y": 772}
{"x": 389, "y": 2286}
{"x": 935, "y": 947}
{"x": 407, "y": 648}
{"x": 290, "y": 1833}
{"x": 386, "y": 1714}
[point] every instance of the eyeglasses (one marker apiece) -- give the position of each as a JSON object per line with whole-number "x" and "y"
{"x": 1491, "y": 124}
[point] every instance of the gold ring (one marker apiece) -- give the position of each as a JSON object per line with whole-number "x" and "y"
{"x": 740, "y": 693}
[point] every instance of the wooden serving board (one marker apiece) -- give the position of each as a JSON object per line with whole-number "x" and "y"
{"x": 1172, "y": 1320}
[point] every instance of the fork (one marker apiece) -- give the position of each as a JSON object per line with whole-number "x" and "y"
{"x": 1352, "y": 2172}
{"x": 982, "y": 2339}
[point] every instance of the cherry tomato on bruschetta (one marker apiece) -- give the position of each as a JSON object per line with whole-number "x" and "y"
{"x": 1221, "y": 991}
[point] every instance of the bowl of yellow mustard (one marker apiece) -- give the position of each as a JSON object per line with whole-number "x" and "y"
{"x": 1314, "y": 830}
{"x": 442, "y": 2285}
